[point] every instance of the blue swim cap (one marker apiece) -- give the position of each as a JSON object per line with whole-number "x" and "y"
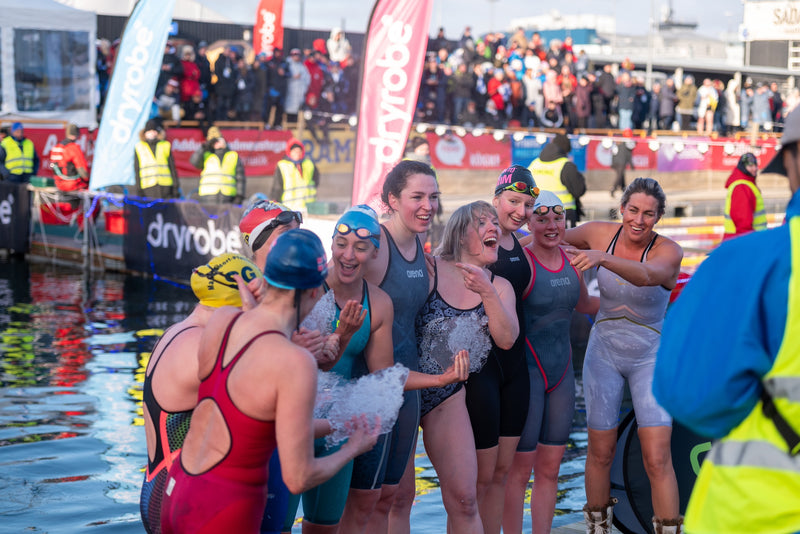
{"x": 296, "y": 261}
{"x": 362, "y": 218}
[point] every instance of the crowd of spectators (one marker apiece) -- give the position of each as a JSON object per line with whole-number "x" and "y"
{"x": 495, "y": 81}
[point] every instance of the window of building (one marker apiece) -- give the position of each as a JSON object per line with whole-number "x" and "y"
{"x": 50, "y": 70}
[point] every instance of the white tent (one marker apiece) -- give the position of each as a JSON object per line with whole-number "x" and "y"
{"x": 47, "y": 61}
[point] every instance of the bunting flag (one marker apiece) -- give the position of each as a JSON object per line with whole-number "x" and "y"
{"x": 268, "y": 30}
{"x": 397, "y": 37}
{"x": 130, "y": 94}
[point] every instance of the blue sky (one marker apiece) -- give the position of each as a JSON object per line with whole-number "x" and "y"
{"x": 632, "y": 16}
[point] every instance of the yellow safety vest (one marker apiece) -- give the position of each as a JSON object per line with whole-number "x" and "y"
{"x": 153, "y": 168}
{"x": 218, "y": 178}
{"x": 759, "y": 215}
{"x": 298, "y": 189}
{"x": 548, "y": 178}
{"x": 750, "y": 480}
{"x": 18, "y": 161}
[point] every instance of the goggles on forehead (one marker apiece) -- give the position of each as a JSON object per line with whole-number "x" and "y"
{"x": 284, "y": 217}
{"x": 361, "y": 232}
{"x": 521, "y": 187}
{"x": 544, "y": 210}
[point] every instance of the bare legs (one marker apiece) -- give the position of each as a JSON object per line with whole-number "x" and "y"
{"x": 493, "y": 468}
{"x": 447, "y": 434}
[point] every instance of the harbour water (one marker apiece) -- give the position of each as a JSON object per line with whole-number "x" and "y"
{"x": 73, "y": 346}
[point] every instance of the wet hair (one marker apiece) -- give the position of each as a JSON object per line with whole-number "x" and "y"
{"x": 397, "y": 178}
{"x": 455, "y": 231}
{"x": 648, "y": 186}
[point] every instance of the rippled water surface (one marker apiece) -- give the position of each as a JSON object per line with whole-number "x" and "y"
{"x": 72, "y": 448}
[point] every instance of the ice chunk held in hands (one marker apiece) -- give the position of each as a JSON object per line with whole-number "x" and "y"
{"x": 322, "y": 315}
{"x": 376, "y": 395}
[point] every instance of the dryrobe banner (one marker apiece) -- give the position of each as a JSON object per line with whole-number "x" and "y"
{"x": 268, "y": 30}
{"x": 169, "y": 239}
{"x": 130, "y": 94}
{"x": 15, "y": 216}
{"x": 395, "y": 52}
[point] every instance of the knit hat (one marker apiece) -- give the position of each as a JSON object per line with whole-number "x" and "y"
{"x": 213, "y": 283}
{"x": 562, "y": 142}
{"x": 152, "y": 124}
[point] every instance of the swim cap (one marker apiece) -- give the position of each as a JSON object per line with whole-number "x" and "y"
{"x": 363, "y": 221}
{"x": 296, "y": 261}
{"x": 213, "y": 283}
{"x": 548, "y": 199}
{"x": 261, "y": 218}
{"x": 516, "y": 178}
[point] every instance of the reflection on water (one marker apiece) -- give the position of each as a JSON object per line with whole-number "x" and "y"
{"x": 73, "y": 348}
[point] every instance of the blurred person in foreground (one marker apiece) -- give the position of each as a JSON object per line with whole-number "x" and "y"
{"x": 744, "y": 205}
{"x": 728, "y": 368}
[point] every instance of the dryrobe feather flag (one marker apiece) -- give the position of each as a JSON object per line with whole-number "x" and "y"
{"x": 395, "y": 54}
{"x": 130, "y": 95}
{"x": 268, "y": 30}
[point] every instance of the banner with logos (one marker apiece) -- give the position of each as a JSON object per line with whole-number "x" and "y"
{"x": 397, "y": 37}
{"x": 169, "y": 239}
{"x": 127, "y": 108}
{"x": 469, "y": 152}
{"x": 259, "y": 151}
{"x": 15, "y": 217}
{"x": 770, "y": 21}
{"x": 268, "y": 29}
{"x": 599, "y": 154}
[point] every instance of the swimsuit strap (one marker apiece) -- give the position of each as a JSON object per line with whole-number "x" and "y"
{"x": 224, "y": 344}
{"x": 158, "y": 343}
{"x": 648, "y": 247}
{"x": 613, "y": 244}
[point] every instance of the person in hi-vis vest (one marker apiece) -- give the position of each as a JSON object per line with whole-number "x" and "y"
{"x": 296, "y": 178}
{"x": 729, "y": 368}
{"x": 153, "y": 164}
{"x": 18, "y": 158}
{"x": 222, "y": 171}
{"x": 553, "y": 171}
{"x": 744, "y": 205}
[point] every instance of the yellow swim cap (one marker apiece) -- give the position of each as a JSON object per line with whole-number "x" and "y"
{"x": 213, "y": 283}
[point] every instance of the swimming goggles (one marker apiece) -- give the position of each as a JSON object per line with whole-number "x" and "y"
{"x": 284, "y": 217}
{"x": 361, "y": 232}
{"x": 544, "y": 210}
{"x": 521, "y": 187}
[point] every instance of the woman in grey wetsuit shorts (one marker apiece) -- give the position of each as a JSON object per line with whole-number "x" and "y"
{"x": 637, "y": 269}
{"x": 555, "y": 289}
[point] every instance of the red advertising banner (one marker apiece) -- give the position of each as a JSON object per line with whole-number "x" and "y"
{"x": 598, "y": 155}
{"x": 259, "y": 150}
{"x": 268, "y": 29}
{"x": 395, "y": 51}
{"x": 726, "y": 157}
{"x": 469, "y": 152}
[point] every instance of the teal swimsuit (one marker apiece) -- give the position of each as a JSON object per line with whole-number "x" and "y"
{"x": 324, "y": 504}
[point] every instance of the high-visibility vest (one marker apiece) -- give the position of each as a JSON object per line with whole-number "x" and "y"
{"x": 548, "y": 178}
{"x": 759, "y": 215}
{"x": 218, "y": 178}
{"x": 750, "y": 480}
{"x": 298, "y": 188}
{"x": 153, "y": 168}
{"x": 18, "y": 161}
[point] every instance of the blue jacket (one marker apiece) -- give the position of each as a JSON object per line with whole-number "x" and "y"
{"x": 724, "y": 331}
